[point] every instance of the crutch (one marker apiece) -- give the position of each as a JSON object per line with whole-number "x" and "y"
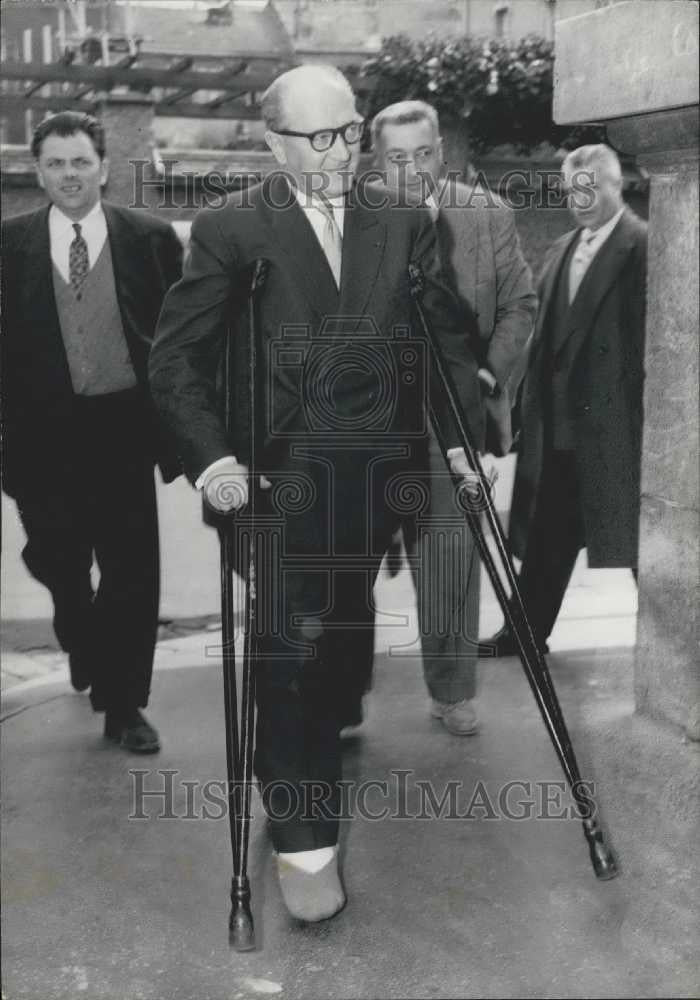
{"x": 533, "y": 661}
{"x": 239, "y": 738}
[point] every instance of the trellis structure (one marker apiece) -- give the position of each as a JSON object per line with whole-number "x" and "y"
{"x": 180, "y": 86}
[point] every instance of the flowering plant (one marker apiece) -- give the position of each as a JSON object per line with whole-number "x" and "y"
{"x": 500, "y": 91}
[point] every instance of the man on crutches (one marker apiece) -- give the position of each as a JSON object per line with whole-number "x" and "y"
{"x": 345, "y": 388}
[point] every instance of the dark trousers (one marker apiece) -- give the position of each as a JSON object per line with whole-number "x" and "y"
{"x": 101, "y": 505}
{"x": 556, "y": 537}
{"x": 317, "y": 622}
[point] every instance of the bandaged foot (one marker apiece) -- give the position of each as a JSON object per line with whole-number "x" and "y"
{"x": 310, "y": 883}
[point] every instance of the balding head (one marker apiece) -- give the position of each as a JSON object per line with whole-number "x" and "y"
{"x": 312, "y": 99}
{"x": 593, "y": 178}
{"x": 597, "y": 158}
{"x": 286, "y": 98}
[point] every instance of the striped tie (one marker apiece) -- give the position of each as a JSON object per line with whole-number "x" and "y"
{"x": 78, "y": 260}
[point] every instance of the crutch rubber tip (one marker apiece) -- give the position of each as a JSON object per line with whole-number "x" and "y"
{"x": 602, "y": 858}
{"x": 241, "y": 933}
{"x": 604, "y": 864}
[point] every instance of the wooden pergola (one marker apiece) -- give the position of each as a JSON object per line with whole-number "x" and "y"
{"x": 179, "y": 86}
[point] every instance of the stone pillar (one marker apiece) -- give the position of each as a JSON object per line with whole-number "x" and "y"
{"x": 128, "y": 121}
{"x": 634, "y": 65}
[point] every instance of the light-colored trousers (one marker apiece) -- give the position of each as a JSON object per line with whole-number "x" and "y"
{"x": 445, "y": 565}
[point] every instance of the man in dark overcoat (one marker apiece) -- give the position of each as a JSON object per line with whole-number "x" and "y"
{"x": 577, "y": 480}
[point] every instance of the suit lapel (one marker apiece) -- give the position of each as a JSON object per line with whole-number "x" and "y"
{"x": 127, "y": 250}
{"x": 464, "y": 211}
{"x": 598, "y": 279}
{"x": 303, "y": 254}
{"x": 459, "y": 240}
{"x": 474, "y": 235}
{"x": 35, "y": 275}
{"x": 364, "y": 243}
{"x": 37, "y": 289}
{"x": 547, "y": 286}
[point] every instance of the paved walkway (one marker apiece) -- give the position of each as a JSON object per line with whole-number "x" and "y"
{"x": 599, "y": 610}
{"x": 100, "y": 904}
{"x": 472, "y": 902}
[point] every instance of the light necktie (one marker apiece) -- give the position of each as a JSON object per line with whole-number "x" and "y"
{"x": 432, "y": 208}
{"x": 78, "y": 260}
{"x": 579, "y": 263}
{"x": 332, "y": 240}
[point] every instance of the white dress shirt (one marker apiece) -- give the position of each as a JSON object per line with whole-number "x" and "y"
{"x": 93, "y": 229}
{"x": 432, "y": 206}
{"x": 590, "y": 242}
{"x": 316, "y": 217}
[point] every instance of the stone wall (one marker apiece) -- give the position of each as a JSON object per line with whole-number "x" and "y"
{"x": 667, "y": 681}
{"x": 635, "y": 66}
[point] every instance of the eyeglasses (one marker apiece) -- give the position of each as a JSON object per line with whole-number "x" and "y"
{"x": 324, "y": 138}
{"x": 420, "y": 157}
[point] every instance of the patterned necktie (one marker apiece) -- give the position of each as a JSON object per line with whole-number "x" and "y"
{"x": 332, "y": 240}
{"x": 579, "y": 263}
{"x": 78, "y": 261}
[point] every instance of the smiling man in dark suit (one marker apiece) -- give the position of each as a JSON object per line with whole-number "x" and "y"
{"x": 83, "y": 283}
{"x": 345, "y": 387}
{"x": 577, "y": 480}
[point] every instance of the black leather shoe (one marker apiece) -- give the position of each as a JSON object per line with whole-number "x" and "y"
{"x": 503, "y": 644}
{"x": 80, "y": 671}
{"x": 132, "y": 731}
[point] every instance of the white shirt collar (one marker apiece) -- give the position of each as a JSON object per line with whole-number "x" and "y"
{"x": 93, "y": 229}
{"x": 315, "y": 214}
{"x": 601, "y": 234}
{"x": 61, "y": 221}
{"x": 337, "y": 203}
{"x": 306, "y": 201}
{"x": 432, "y": 206}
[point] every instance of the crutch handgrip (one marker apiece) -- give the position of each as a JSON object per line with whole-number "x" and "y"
{"x": 260, "y": 269}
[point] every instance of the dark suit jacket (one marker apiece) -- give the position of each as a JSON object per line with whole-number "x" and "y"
{"x": 482, "y": 257}
{"x": 298, "y": 298}
{"x": 37, "y": 389}
{"x": 603, "y": 349}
